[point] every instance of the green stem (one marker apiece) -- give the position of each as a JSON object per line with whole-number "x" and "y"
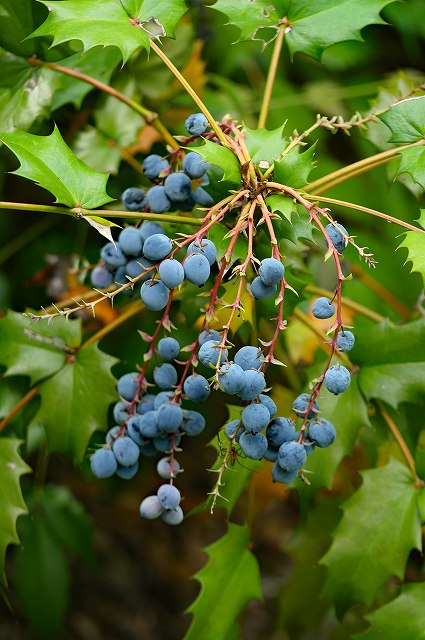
{"x": 271, "y": 76}
{"x": 77, "y": 212}
{"x": 190, "y": 91}
{"x": 150, "y": 116}
{"x": 353, "y": 174}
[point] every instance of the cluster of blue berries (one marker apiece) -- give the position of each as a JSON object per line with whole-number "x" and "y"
{"x": 270, "y": 273}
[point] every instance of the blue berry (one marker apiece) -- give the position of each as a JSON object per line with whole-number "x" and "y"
{"x": 171, "y": 273}
{"x": 168, "y": 348}
{"x": 167, "y": 468}
{"x": 138, "y": 266}
{"x": 255, "y": 417}
{"x": 231, "y": 428}
{"x": 249, "y": 358}
{"x": 169, "y": 496}
{"x": 271, "y": 271}
{"x": 280, "y": 430}
{"x": 151, "y": 508}
{"x": 173, "y": 516}
{"x": 112, "y": 434}
{"x": 196, "y": 388}
{"x": 203, "y": 198}
{"x": 204, "y": 247}
{"x": 260, "y": 291}
{"x": 153, "y": 165}
{"x": 120, "y": 412}
{"x": 231, "y": 378}
{"x": 130, "y": 241}
{"x": 193, "y": 423}
{"x": 282, "y": 476}
{"x": 158, "y": 200}
{"x": 127, "y": 473}
{"x": 148, "y": 424}
{"x": 209, "y": 353}
{"x": 146, "y": 404}
{"x": 345, "y": 340}
{"x": 189, "y": 203}
{"x": 103, "y": 463}
{"x": 336, "y": 237}
{"x": 271, "y": 454}
{"x": 208, "y": 334}
{"x": 169, "y": 417}
{"x": 253, "y": 445}
{"x": 321, "y": 432}
{"x": 323, "y": 308}
{"x": 165, "y": 442}
{"x": 162, "y": 397}
{"x": 165, "y": 376}
{"x": 127, "y": 385}
{"x": 178, "y": 187}
{"x": 253, "y": 385}
{"x": 300, "y": 405}
{"x": 158, "y": 246}
{"x": 291, "y": 456}
{"x": 113, "y": 255}
{"x": 126, "y": 451}
{"x": 196, "y": 124}
{"x": 149, "y": 228}
{"x": 196, "y": 269}
{"x": 101, "y": 278}
{"x": 134, "y": 199}
{"x": 154, "y": 294}
{"x": 268, "y": 402}
{"x": 194, "y": 165}
{"x": 337, "y": 379}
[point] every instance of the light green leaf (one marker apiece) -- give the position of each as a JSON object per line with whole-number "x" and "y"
{"x": 250, "y": 17}
{"x": 48, "y": 161}
{"x": 295, "y": 167}
{"x": 402, "y": 618}
{"x": 265, "y": 145}
{"x": 112, "y": 25}
{"x": 94, "y": 148}
{"x": 86, "y": 388}
{"x": 415, "y": 244}
{"x": 222, "y": 158}
{"x": 230, "y": 580}
{"x": 12, "y": 504}
{"x": 217, "y": 234}
{"x": 406, "y": 119}
{"x": 413, "y": 163}
{"x": 35, "y": 350}
{"x": 380, "y": 521}
{"x": 282, "y": 204}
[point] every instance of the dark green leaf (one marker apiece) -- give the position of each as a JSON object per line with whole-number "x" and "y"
{"x": 42, "y": 577}
{"x": 402, "y": 618}
{"x": 48, "y": 161}
{"x": 12, "y": 504}
{"x": 250, "y": 17}
{"x": 110, "y": 24}
{"x": 217, "y": 234}
{"x": 18, "y": 19}
{"x": 406, "y": 119}
{"x": 229, "y": 580}
{"x": 35, "y": 350}
{"x": 295, "y": 168}
{"x": 380, "y": 521}
{"x": 264, "y": 145}
{"x": 222, "y": 158}
{"x": 86, "y": 388}
{"x": 415, "y": 244}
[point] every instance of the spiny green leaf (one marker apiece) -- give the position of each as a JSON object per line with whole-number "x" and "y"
{"x": 413, "y": 163}
{"x": 48, "y": 161}
{"x": 35, "y": 350}
{"x": 42, "y": 577}
{"x": 264, "y": 145}
{"x": 222, "y": 158}
{"x": 380, "y": 521}
{"x": 250, "y": 17}
{"x": 229, "y": 580}
{"x": 12, "y": 504}
{"x": 86, "y": 388}
{"x": 110, "y": 24}
{"x": 282, "y": 204}
{"x": 415, "y": 244}
{"x": 403, "y": 617}
{"x": 406, "y": 119}
{"x": 18, "y": 19}
{"x": 295, "y": 167}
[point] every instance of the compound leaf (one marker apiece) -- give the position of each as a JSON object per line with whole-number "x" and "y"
{"x": 380, "y": 521}
{"x": 415, "y": 244}
{"x": 406, "y": 120}
{"x": 229, "y": 580}
{"x": 222, "y": 158}
{"x": 48, "y": 161}
{"x": 12, "y": 504}
{"x": 126, "y": 25}
{"x": 403, "y": 617}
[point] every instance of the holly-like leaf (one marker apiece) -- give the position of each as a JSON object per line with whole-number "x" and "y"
{"x": 413, "y": 163}
{"x": 295, "y": 167}
{"x": 380, "y": 521}
{"x": 264, "y": 145}
{"x": 229, "y": 580}
{"x": 37, "y": 350}
{"x": 18, "y": 19}
{"x": 126, "y": 25}
{"x": 282, "y": 204}
{"x": 12, "y": 504}
{"x": 217, "y": 234}
{"x": 48, "y": 161}
{"x": 86, "y": 388}
{"x": 222, "y": 158}
{"x": 415, "y": 244}
{"x": 311, "y": 26}
{"x": 406, "y": 120}
{"x": 403, "y": 617}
